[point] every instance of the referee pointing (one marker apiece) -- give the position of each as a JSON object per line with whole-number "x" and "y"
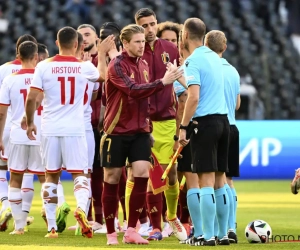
{"x": 206, "y": 104}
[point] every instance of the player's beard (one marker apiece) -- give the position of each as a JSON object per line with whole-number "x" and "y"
{"x": 88, "y": 48}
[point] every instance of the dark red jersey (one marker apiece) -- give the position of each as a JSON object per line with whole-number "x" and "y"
{"x": 163, "y": 104}
{"x": 127, "y": 89}
{"x": 96, "y": 104}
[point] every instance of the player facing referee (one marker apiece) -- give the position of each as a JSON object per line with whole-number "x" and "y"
{"x": 206, "y": 104}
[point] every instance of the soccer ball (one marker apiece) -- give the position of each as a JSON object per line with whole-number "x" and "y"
{"x": 258, "y": 231}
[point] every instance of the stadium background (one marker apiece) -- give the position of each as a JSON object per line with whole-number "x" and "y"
{"x": 260, "y": 46}
{"x": 259, "y": 36}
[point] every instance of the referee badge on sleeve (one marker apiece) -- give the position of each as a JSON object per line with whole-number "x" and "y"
{"x": 165, "y": 57}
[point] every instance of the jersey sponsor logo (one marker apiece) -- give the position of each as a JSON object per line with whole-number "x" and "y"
{"x": 132, "y": 76}
{"x": 165, "y": 57}
{"x": 146, "y": 76}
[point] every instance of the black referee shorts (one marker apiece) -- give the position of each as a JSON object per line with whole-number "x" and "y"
{"x": 234, "y": 153}
{"x": 117, "y": 148}
{"x": 210, "y": 144}
{"x": 185, "y": 163}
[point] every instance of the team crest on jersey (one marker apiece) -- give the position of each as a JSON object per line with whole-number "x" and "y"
{"x": 132, "y": 76}
{"x": 146, "y": 75}
{"x": 165, "y": 57}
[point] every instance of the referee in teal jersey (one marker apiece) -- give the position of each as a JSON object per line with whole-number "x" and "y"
{"x": 216, "y": 41}
{"x": 206, "y": 104}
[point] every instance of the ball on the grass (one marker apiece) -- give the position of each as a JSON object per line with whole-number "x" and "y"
{"x": 258, "y": 231}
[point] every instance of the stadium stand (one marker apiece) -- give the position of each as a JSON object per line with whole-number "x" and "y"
{"x": 258, "y": 44}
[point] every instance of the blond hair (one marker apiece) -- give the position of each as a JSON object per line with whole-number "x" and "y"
{"x": 128, "y": 31}
{"x": 216, "y": 41}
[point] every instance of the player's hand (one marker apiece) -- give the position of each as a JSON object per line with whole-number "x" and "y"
{"x": 106, "y": 45}
{"x": 31, "y": 131}
{"x": 182, "y": 138}
{"x": 24, "y": 123}
{"x": 171, "y": 75}
{"x": 175, "y": 148}
{"x": 171, "y": 66}
{"x": 87, "y": 57}
{"x": 1, "y": 147}
{"x": 114, "y": 52}
{"x": 152, "y": 140}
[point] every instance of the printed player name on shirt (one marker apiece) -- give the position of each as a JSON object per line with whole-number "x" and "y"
{"x": 66, "y": 70}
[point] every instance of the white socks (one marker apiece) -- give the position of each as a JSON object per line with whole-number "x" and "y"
{"x": 50, "y": 202}
{"x": 60, "y": 194}
{"x": 81, "y": 192}
{"x": 3, "y": 190}
{"x": 27, "y": 192}
{"x": 15, "y": 200}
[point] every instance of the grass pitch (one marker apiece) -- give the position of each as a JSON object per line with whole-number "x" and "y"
{"x": 271, "y": 201}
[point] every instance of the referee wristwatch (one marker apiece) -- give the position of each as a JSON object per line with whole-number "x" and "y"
{"x": 176, "y": 138}
{"x": 183, "y": 127}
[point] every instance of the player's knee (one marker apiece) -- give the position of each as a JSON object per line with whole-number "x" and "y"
{"x": 112, "y": 175}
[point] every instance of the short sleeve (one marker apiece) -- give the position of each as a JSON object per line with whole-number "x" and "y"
{"x": 238, "y": 84}
{"x": 192, "y": 73}
{"x": 96, "y": 87}
{"x": 37, "y": 82}
{"x": 90, "y": 72}
{"x": 178, "y": 88}
{"x": 4, "y": 93}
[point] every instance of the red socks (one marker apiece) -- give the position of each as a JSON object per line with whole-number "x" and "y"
{"x": 154, "y": 203}
{"x": 184, "y": 211}
{"x": 121, "y": 192}
{"x": 97, "y": 189}
{"x": 110, "y": 204}
{"x": 137, "y": 200}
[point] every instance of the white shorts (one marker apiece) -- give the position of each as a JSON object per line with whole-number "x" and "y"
{"x": 69, "y": 151}
{"x": 90, "y": 140}
{"x": 25, "y": 157}
{"x": 3, "y": 158}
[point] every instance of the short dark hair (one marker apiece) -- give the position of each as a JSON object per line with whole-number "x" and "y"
{"x": 144, "y": 12}
{"x": 196, "y": 28}
{"x": 42, "y": 48}
{"x": 67, "y": 36}
{"x": 27, "y": 50}
{"x": 112, "y": 26}
{"x": 24, "y": 38}
{"x": 82, "y": 26}
{"x": 80, "y": 40}
{"x": 176, "y": 27}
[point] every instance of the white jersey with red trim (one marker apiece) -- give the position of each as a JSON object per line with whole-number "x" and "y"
{"x": 5, "y": 70}
{"x": 14, "y": 91}
{"x": 63, "y": 80}
{"x": 91, "y": 87}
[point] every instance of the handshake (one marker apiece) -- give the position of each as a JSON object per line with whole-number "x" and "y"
{"x": 172, "y": 74}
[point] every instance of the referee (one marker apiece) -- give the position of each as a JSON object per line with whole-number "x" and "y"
{"x": 216, "y": 41}
{"x": 206, "y": 104}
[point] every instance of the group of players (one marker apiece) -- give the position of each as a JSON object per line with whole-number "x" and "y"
{"x": 57, "y": 118}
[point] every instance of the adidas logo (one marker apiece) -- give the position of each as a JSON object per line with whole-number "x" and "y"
{"x": 153, "y": 210}
{"x": 111, "y": 216}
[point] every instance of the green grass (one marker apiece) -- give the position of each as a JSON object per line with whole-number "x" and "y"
{"x": 271, "y": 201}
